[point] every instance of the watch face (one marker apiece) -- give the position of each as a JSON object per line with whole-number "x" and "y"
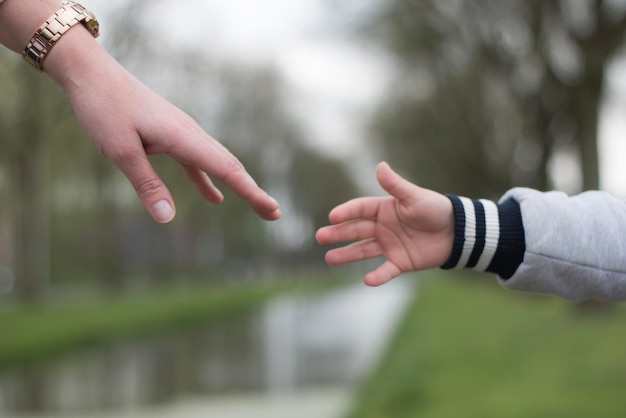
{"x": 88, "y": 18}
{"x": 92, "y": 24}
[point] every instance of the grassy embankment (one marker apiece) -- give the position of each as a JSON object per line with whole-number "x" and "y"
{"x": 467, "y": 348}
{"x": 38, "y": 332}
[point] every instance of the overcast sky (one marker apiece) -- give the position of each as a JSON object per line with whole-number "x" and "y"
{"x": 338, "y": 79}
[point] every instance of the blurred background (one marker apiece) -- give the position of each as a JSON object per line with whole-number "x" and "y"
{"x": 104, "y": 313}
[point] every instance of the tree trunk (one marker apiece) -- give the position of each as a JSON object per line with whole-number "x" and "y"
{"x": 588, "y": 107}
{"x": 30, "y": 209}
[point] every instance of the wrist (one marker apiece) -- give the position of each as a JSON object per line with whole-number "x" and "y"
{"x": 487, "y": 237}
{"x": 54, "y": 27}
{"x": 76, "y": 57}
{"x": 52, "y": 35}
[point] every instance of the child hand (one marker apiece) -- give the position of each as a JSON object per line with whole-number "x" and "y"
{"x": 413, "y": 228}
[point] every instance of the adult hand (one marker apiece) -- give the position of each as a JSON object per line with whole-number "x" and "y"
{"x": 413, "y": 228}
{"x": 127, "y": 122}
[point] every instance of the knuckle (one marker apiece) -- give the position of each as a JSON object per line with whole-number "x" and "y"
{"x": 234, "y": 168}
{"x": 119, "y": 155}
{"x": 148, "y": 187}
{"x": 184, "y": 126}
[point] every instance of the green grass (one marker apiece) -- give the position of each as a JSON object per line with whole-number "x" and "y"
{"x": 35, "y": 333}
{"x": 468, "y": 348}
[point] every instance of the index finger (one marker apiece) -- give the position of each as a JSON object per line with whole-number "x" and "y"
{"x": 213, "y": 158}
{"x": 362, "y": 207}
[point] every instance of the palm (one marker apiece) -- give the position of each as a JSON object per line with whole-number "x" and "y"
{"x": 410, "y": 237}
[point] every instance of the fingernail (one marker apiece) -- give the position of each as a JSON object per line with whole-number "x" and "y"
{"x": 162, "y": 211}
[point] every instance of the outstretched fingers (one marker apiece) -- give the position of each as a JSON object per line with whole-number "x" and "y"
{"x": 394, "y": 184}
{"x": 359, "y": 208}
{"x": 151, "y": 190}
{"x": 203, "y": 184}
{"x": 347, "y": 231}
{"x": 383, "y": 274}
{"x": 211, "y": 157}
{"x": 368, "y": 207}
{"x": 358, "y": 251}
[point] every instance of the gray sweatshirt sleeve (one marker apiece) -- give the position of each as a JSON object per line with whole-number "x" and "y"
{"x": 573, "y": 247}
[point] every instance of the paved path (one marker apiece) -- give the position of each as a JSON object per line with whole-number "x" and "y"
{"x": 318, "y": 403}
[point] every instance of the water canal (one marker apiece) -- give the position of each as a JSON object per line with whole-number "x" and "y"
{"x": 299, "y": 354}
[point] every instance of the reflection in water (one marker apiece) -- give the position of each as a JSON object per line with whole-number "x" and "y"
{"x": 294, "y": 343}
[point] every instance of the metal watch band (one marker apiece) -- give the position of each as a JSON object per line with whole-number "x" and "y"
{"x": 54, "y": 27}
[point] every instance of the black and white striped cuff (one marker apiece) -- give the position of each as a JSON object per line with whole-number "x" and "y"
{"x": 487, "y": 236}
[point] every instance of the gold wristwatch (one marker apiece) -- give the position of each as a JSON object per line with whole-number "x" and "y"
{"x": 52, "y": 29}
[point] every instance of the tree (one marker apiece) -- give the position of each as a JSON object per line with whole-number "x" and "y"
{"x": 99, "y": 229}
{"x": 494, "y": 89}
{"x": 28, "y": 116}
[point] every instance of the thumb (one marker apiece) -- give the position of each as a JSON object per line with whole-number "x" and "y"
{"x": 151, "y": 190}
{"x": 394, "y": 184}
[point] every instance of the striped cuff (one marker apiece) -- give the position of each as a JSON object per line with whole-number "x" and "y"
{"x": 487, "y": 236}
